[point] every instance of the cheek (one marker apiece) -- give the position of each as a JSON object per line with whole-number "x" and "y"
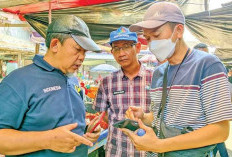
{"x": 79, "y": 57}
{"x": 68, "y": 60}
{"x": 115, "y": 57}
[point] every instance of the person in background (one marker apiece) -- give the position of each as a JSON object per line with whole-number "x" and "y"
{"x": 41, "y": 111}
{"x": 230, "y": 75}
{"x": 121, "y": 89}
{"x": 190, "y": 98}
{"x": 202, "y": 47}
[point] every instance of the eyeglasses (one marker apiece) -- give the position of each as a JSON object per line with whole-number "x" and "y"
{"x": 125, "y": 47}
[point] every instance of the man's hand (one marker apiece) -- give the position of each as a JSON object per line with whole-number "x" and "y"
{"x": 147, "y": 142}
{"x": 96, "y": 133}
{"x": 63, "y": 140}
{"x": 134, "y": 113}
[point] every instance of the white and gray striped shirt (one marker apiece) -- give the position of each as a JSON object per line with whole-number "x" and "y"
{"x": 199, "y": 95}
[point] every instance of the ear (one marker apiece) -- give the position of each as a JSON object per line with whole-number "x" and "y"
{"x": 54, "y": 45}
{"x": 180, "y": 31}
{"x": 138, "y": 47}
{"x": 111, "y": 45}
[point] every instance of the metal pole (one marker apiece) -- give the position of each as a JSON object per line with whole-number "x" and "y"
{"x": 1, "y": 72}
{"x": 37, "y": 48}
{"x": 23, "y": 61}
{"x": 19, "y": 59}
{"x": 50, "y": 13}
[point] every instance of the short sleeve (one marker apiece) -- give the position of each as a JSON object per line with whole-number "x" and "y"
{"x": 215, "y": 94}
{"x": 101, "y": 101}
{"x": 12, "y": 108}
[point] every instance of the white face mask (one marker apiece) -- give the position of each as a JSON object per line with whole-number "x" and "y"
{"x": 162, "y": 49}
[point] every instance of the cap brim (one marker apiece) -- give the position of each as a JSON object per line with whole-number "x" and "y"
{"x": 149, "y": 24}
{"x": 86, "y": 43}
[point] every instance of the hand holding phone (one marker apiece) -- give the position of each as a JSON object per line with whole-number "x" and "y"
{"x": 128, "y": 124}
{"x": 98, "y": 121}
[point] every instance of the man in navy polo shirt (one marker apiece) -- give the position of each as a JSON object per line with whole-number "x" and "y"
{"x": 41, "y": 112}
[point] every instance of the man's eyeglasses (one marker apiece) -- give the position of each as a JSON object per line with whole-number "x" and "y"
{"x": 125, "y": 47}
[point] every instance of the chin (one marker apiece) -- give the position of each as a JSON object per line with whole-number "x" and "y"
{"x": 125, "y": 65}
{"x": 74, "y": 70}
{"x": 71, "y": 71}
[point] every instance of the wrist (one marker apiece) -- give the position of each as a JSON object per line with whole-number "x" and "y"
{"x": 159, "y": 146}
{"x": 46, "y": 141}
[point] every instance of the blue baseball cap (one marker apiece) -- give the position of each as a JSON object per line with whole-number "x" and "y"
{"x": 123, "y": 33}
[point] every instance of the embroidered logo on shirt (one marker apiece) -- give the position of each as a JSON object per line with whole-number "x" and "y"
{"x": 77, "y": 89}
{"x": 119, "y": 92}
{"x": 49, "y": 89}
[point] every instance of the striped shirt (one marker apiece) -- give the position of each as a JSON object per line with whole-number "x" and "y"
{"x": 198, "y": 96}
{"x": 116, "y": 93}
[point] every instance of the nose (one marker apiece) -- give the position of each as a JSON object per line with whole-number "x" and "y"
{"x": 121, "y": 52}
{"x": 152, "y": 38}
{"x": 81, "y": 57}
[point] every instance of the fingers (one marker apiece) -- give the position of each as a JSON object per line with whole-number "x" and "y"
{"x": 97, "y": 130}
{"x": 92, "y": 136}
{"x": 81, "y": 139}
{"x": 134, "y": 112}
{"x": 127, "y": 114}
{"x": 129, "y": 133}
{"x": 142, "y": 126}
{"x": 92, "y": 123}
{"x": 134, "y": 108}
{"x": 130, "y": 114}
{"x": 72, "y": 150}
{"x": 70, "y": 126}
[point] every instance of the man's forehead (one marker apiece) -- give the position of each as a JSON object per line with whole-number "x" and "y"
{"x": 74, "y": 43}
{"x": 152, "y": 30}
{"x": 122, "y": 42}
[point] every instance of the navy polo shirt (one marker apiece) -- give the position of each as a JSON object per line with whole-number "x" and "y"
{"x": 39, "y": 97}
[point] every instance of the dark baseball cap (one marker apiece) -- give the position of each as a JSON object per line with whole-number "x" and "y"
{"x": 200, "y": 45}
{"x": 158, "y": 14}
{"x": 123, "y": 33}
{"x": 77, "y": 28}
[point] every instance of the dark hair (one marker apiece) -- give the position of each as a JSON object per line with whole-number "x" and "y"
{"x": 200, "y": 46}
{"x": 60, "y": 36}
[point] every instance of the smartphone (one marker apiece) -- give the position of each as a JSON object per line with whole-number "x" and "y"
{"x": 128, "y": 124}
